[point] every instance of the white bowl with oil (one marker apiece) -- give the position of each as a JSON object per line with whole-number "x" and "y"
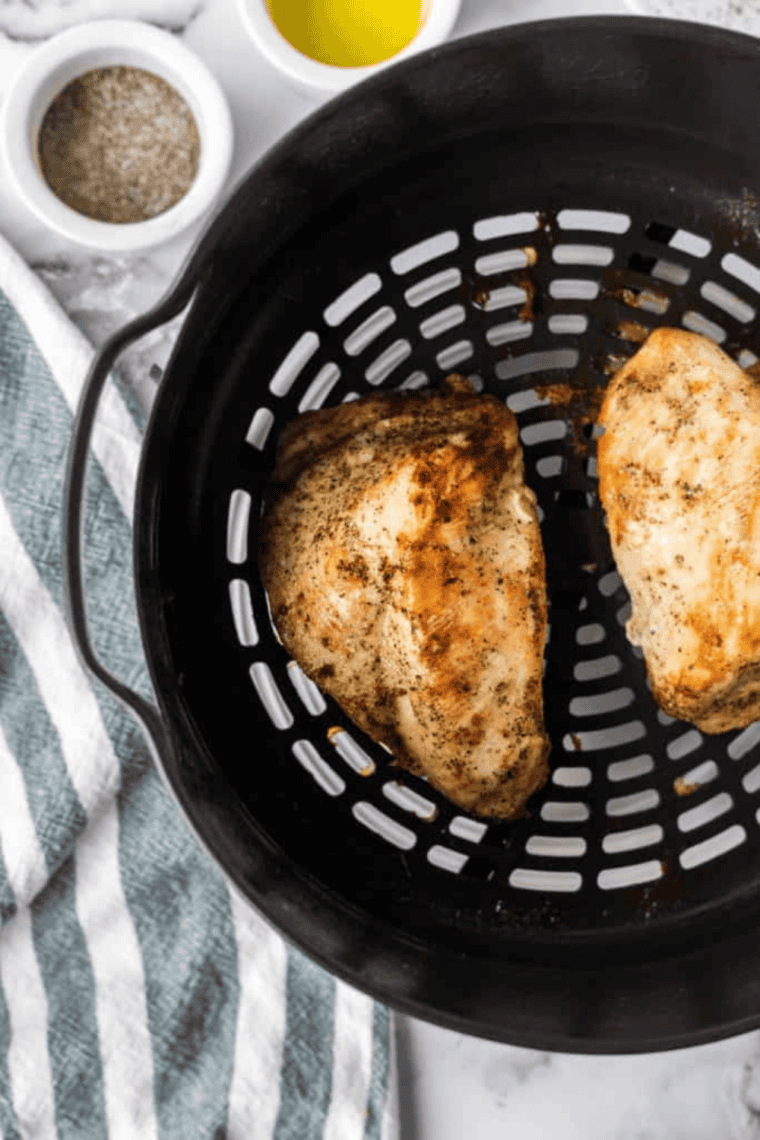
{"x": 325, "y": 46}
{"x": 102, "y": 44}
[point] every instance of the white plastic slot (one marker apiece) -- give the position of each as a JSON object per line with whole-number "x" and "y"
{"x": 509, "y": 332}
{"x": 431, "y": 287}
{"x": 503, "y": 261}
{"x": 598, "y": 668}
{"x": 446, "y": 859}
{"x": 690, "y": 243}
{"x": 318, "y": 768}
{"x": 746, "y": 358}
{"x": 310, "y": 696}
{"x": 570, "y": 324}
{"x": 471, "y": 830}
{"x": 294, "y": 363}
{"x": 377, "y": 821}
{"x": 713, "y": 847}
{"x": 590, "y": 634}
{"x": 422, "y": 252}
{"x": 503, "y": 298}
{"x": 703, "y": 813}
{"x": 369, "y": 330}
{"x": 671, "y": 272}
{"x": 557, "y": 811}
{"x": 572, "y": 777}
{"x": 684, "y": 744}
{"x": 615, "y": 878}
{"x": 521, "y": 401}
{"x": 665, "y": 718}
{"x": 573, "y": 289}
{"x": 238, "y": 517}
{"x": 352, "y": 299}
{"x": 353, "y": 754}
{"x": 751, "y": 781}
{"x": 454, "y": 354}
{"x": 531, "y": 362}
{"x": 629, "y": 769}
{"x": 405, "y": 798}
{"x": 609, "y": 583}
{"x": 614, "y": 737}
{"x": 741, "y": 269}
{"x": 604, "y": 220}
{"x": 440, "y": 323}
{"x": 624, "y": 613}
{"x": 528, "y": 879}
{"x": 700, "y": 324}
{"x": 727, "y": 301}
{"x": 320, "y": 387}
{"x": 602, "y": 702}
{"x": 260, "y": 426}
{"x": 505, "y": 225}
{"x": 582, "y": 254}
{"x": 542, "y": 431}
{"x": 592, "y": 468}
{"x": 242, "y": 612}
{"x": 414, "y": 381}
{"x": 645, "y": 800}
{"x": 350, "y": 397}
{"x": 742, "y": 743}
{"x": 270, "y": 696}
{"x": 550, "y": 466}
{"x": 689, "y": 782}
{"x": 617, "y": 842}
{"x": 556, "y": 846}
{"x": 381, "y": 368}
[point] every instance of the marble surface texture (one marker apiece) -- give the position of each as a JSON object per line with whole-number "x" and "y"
{"x": 450, "y": 1085}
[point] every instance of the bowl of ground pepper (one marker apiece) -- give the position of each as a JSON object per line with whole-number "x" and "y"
{"x": 116, "y": 135}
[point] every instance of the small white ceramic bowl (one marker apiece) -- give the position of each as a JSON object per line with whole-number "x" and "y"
{"x": 438, "y": 18}
{"x": 109, "y": 43}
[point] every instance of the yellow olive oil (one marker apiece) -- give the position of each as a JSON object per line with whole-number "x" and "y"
{"x": 347, "y": 33}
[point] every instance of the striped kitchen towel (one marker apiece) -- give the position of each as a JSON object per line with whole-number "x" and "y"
{"x": 139, "y": 997}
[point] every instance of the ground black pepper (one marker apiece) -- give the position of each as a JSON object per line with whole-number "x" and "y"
{"x": 119, "y": 144}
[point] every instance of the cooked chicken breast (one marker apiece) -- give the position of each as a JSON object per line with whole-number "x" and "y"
{"x": 679, "y": 479}
{"x": 403, "y": 562}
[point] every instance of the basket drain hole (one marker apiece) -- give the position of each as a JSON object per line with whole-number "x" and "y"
{"x": 645, "y": 800}
{"x": 270, "y": 696}
{"x": 352, "y": 299}
{"x": 505, "y": 225}
{"x": 382, "y": 825}
{"x": 320, "y": 387}
{"x": 630, "y": 769}
{"x": 618, "y": 842}
{"x": 713, "y": 847}
{"x": 704, "y": 813}
{"x": 529, "y": 879}
{"x": 689, "y": 782}
{"x": 423, "y": 251}
{"x": 351, "y": 752}
{"x": 318, "y": 768}
{"x": 571, "y": 811}
{"x": 616, "y": 877}
{"x": 611, "y": 701}
{"x": 531, "y": 362}
{"x": 242, "y": 612}
{"x": 310, "y": 696}
{"x": 746, "y": 740}
{"x": 370, "y": 329}
{"x": 293, "y": 364}
{"x": 431, "y": 287}
{"x": 698, "y": 323}
{"x": 597, "y": 668}
{"x": 556, "y": 846}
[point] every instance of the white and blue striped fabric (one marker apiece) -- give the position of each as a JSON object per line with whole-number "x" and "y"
{"x": 139, "y": 997}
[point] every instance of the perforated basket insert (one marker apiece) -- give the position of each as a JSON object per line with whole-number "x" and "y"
{"x": 635, "y": 798}
{"x": 534, "y": 261}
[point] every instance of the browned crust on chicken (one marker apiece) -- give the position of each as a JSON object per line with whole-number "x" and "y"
{"x": 679, "y": 479}
{"x": 402, "y": 558}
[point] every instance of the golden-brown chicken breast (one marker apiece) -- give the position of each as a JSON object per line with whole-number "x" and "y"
{"x": 402, "y": 558}
{"x": 679, "y": 479}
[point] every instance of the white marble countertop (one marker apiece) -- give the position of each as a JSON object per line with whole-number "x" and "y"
{"x": 450, "y": 1086}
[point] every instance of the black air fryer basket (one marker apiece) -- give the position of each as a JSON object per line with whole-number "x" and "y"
{"x": 522, "y": 207}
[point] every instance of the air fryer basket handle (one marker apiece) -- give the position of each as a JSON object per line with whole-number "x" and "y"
{"x": 178, "y": 297}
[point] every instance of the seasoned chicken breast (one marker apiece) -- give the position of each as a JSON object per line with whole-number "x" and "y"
{"x": 401, "y": 553}
{"x": 679, "y": 479}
